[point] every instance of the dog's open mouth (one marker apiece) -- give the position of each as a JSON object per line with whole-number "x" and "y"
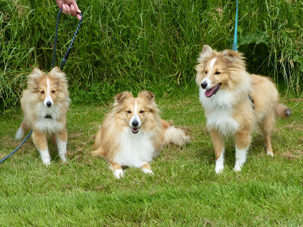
{"x": 135, "y": 130}
{"x": 210, "y": 92}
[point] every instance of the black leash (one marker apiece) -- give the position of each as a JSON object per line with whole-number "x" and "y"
{"x": 6, "y": 157}
{"x": 53, "y": 64}
{"x": 70, "y": 46}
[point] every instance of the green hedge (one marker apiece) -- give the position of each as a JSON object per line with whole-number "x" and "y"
{"x": 147, "y": 44}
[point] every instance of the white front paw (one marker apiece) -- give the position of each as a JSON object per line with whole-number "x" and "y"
{"x": 237, "y": 168}
{"x": 148, "y": 171}
{"x": 46, "y": 161}
{"x": 45, "y": 157}
{"x": 269, "y": 153}
{"x": 118, "y": 173}
{"x": 63, "y": 158}
{"x": 219, "y": 166}
{"x": 219, "y": 169}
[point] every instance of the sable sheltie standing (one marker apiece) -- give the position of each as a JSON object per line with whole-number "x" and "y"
{"x": 235, "y": 102}
{"x": 132, "y": 134}
{"x": 45, "y": 104}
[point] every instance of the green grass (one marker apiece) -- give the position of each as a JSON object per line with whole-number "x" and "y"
{"x": 184, "y": 191}
{"x": 135, "y": 45}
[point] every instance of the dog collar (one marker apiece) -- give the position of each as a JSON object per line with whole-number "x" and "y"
{"x": 48, "y": 116}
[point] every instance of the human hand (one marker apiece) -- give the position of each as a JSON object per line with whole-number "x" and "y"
{"x": 69, "y": 7}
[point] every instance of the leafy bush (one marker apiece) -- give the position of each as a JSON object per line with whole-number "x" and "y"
{"x": 135, "y": 45}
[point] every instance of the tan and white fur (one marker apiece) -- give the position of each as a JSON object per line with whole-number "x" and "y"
{"x": 133, "y": 133}
{"x": 45, "y": 103}
{"x": 225, "y": 87}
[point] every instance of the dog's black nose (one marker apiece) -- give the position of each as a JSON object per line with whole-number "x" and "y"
{"x": 135, "y": 123}
{"x": 204, "y": 85}
{"x": 48, "y": 104}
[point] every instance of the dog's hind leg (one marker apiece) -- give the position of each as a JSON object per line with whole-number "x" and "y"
{"x": 266, "y": 128}
{"x": 218, "y": 141}
{"x": 243, "y": 140}
{"x": 22, "y": 129}
{"x": 40, "y": 141}
{"x": 61, "y": 139}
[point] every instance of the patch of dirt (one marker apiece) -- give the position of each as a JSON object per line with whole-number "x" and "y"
{"x": 296, "y": 100}
{"x": 76, "y": 135}
{"x": 294, "y": 126}
{"x": 294, "y": 154}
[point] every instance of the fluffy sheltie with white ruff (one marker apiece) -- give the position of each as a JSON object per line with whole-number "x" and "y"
{"x": 132, "y": 134}
{"x": 235, "y": 103}
{"x": 45, "y": 104}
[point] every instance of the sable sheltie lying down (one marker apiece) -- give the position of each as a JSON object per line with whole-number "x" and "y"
{"x": 235, "y": 102}
{"x": 45, "y": 104}
{"x": 132, "y": 134}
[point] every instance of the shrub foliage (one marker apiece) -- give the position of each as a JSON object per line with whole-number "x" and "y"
{"x": 135, "y": 45}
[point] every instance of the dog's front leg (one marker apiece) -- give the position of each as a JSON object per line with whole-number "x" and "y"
{"x": 117, "y": 169}
{"x": 243, "y": 140}
{"x": 218, "y": 141}
{"x": 40, "y": 142}
{"x": 147, "y": 169}
{"x": 61, "y": 140}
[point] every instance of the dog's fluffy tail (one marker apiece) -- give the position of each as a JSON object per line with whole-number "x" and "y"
{"x": 98, "y": 152}
{"x": 97, "y": 145}
{"x": 175, "y": 136}
{"x": 282, "y": 110}
{"x": 19, "y": 134}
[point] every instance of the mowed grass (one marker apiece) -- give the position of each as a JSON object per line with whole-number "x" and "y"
{"x": 184, "y": 190}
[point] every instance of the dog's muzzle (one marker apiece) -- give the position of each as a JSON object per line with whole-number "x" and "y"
{"x": 135, "y": 128}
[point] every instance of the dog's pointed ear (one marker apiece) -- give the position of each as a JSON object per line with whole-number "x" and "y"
{"x": 55, "y": 70}
{"x": 58, "y": 76}
{"x": 232, "y": 55}
{"x": 206, "y": 50}
{"x": 206, "y": 53}
{"x": 35, "y": 74}
{"x": 147, "y": 95}
{"x": 33, "y": 78}
{"x": 122, "y": 96}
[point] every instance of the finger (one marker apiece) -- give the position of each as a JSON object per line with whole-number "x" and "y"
{"x": 76, "y": 6}
{"x": 64, "y": 8}
{"x": 67, "y": 9}
{"x": 79, "y": 17}
{"x": 73, "y": 10}
{"x": 59, "y": 3}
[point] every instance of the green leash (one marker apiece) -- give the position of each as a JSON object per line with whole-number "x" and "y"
{"x": 53, "y": 64}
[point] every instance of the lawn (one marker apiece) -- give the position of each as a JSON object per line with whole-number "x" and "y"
{"x": 184, "y": 190}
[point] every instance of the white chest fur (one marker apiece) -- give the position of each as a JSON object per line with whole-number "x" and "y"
{"x": 136, "y": 149}
{"x": 219, "y": 110}
{"x": 47, "y": 124}
{"x": 222, "y": 120}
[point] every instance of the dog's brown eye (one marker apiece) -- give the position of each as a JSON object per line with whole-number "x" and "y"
{"x": 53, "y": 91}
{"x": 129, "y": 112}
{"x": 205, "y": 72}
{"x": 42, "y": 92}
{"x": 141, "y": 111}
{"x": 217, "y": 73}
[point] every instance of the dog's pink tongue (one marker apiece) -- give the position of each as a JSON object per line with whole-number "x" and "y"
{"x": 212, "y": 91}
{"x": 209, "y": 92}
